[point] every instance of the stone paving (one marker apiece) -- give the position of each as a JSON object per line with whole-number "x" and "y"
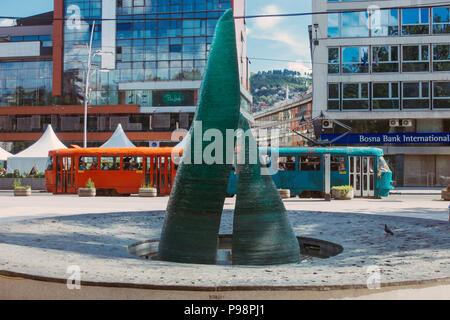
{"x": 418, "y": 251}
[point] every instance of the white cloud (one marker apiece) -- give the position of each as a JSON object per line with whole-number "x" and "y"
{"x": 299, "y": 66}
{"x": 269, "y": 22}
{"x": 7, "y": 23}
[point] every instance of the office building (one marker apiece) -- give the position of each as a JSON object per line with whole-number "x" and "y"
{"x": 383, "y": 68}
{"x": 148, "y": 57}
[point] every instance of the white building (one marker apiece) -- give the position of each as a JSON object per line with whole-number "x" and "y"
{"x": 383, "y": 67}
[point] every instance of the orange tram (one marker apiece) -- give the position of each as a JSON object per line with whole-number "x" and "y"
{"x": 114, "y": 171}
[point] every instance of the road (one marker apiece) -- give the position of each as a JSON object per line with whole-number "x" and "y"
{"x": 47, "y": 205}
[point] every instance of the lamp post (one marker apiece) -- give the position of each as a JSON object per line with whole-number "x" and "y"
{"x": 86, "y": 94}
{"x": 88, "y": 74}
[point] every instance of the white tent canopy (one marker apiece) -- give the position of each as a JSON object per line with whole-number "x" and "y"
{"x": 118, "y": 140}
{"x": 36, "y": 154}
{"x": 4, "y": 155}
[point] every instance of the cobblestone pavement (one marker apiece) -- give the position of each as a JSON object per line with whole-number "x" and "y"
{"x": 419, "y": 250}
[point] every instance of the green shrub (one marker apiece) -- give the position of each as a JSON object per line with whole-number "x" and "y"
{"x": 40, "y": 175}
{"x": 90, "y": 184}
{"x": 17, "y": 174}
{"x": 147, "y": 186}
{"x": 18, "y": 185}
{"x": 345, "y": 189}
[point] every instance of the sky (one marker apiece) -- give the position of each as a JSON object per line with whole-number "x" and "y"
{"x": 268, "y": 38}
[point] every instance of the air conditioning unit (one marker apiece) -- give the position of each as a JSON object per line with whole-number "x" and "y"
{"x": 394, "y": 123}
{"x": 327, "y": 124}
{"x": 407, "y": 123}
{"x": 153, "y": 144}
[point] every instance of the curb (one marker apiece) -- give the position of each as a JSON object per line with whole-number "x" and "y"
{"x": 21, "y": 276}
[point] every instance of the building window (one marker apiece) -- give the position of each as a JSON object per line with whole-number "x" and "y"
{"x": 333, "y": 25}
{"x": 441, "y": 20}
{"x": 355, "y": 24}
{"x": 441, "y": 57}
{"x": 333, "y": 60}
{"x": 355, "y": 59}
{"x": 385, "y": 59}
{"x": 355, "y": 96}
{"x": 334, "y": 96}
{"x": 416, "y": 58}
{"x": 415, "y": 21}
{"x": 441, "y": 95}
{"x": 385, "y": 96}
{"x": 416, "y": 95}
{"x": 384, "y": 23}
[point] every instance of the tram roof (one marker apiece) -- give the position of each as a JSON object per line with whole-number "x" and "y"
{"x": 138, "y": 151}
{"x": 356, "y": 151}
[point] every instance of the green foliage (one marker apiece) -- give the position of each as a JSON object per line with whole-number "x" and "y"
{"x": 147, "y": 186}
{"x": 17, "y": 174}
{"x": 345, "y": 189}
{"x": 266, "y": 85}
{"x": 18, "y": 185}
{"x": 90, "y": 184}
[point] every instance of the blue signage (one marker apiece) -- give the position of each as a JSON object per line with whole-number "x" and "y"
{"x": 381, "y": 138}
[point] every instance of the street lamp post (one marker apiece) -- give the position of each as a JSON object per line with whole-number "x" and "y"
{"x": 88, "y": 74}
{"x": 86, "y": 94}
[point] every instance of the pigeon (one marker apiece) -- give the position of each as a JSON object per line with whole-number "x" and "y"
{"x": 387, "y": 230}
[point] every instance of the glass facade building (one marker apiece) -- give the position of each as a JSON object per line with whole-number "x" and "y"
{"x": 155, "y": 41}
{"x": 147, "y": 62}
{"x": 387, "y": 71}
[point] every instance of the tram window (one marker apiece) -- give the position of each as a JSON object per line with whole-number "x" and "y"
{"x": 286, "y": 163}
{"x": 132, "y": 163}
{"x": 110, "y": 163}
{"x": 68, "y": 164}
{"x": 337, "y": 163}
{"x": 310, "y": 163}
{"x": 50, "y": 163}
{"x": 87, "y": 163}
{"x": 382, "y": 165}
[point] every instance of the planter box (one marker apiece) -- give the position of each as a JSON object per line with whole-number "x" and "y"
{"x": 22, "y": 192}
{"x": 342, "y": 195}
{"x": 284, "y": 193}
{"x": 150, "y": 193}
{"x": 34, "y": 183}
{"x": 86, "y": 192}
{"x": 445, "y": 195}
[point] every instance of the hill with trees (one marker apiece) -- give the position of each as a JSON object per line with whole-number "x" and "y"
{"x": 269, "y": 87}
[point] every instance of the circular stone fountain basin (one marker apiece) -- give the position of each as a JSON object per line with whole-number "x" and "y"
{"x": 309, "y": 247}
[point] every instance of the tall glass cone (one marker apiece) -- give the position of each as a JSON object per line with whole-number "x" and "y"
{"x": 192, "y": 222}
{"x": 262, "y": 232}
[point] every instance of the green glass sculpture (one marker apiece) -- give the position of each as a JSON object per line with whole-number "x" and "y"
{"x": 192, "y": 222}
{"x": 262, "y": 232}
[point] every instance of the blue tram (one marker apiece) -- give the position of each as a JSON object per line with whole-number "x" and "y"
{"x": 305, "y": 171}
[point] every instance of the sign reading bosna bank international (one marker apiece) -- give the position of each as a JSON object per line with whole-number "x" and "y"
{"x": 381, "y": 138}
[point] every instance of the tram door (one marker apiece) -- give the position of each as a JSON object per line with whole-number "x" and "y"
{"x": 151, "y": 172}
{"x": 65, "y": 175}
{"x": 362, "y": 176}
